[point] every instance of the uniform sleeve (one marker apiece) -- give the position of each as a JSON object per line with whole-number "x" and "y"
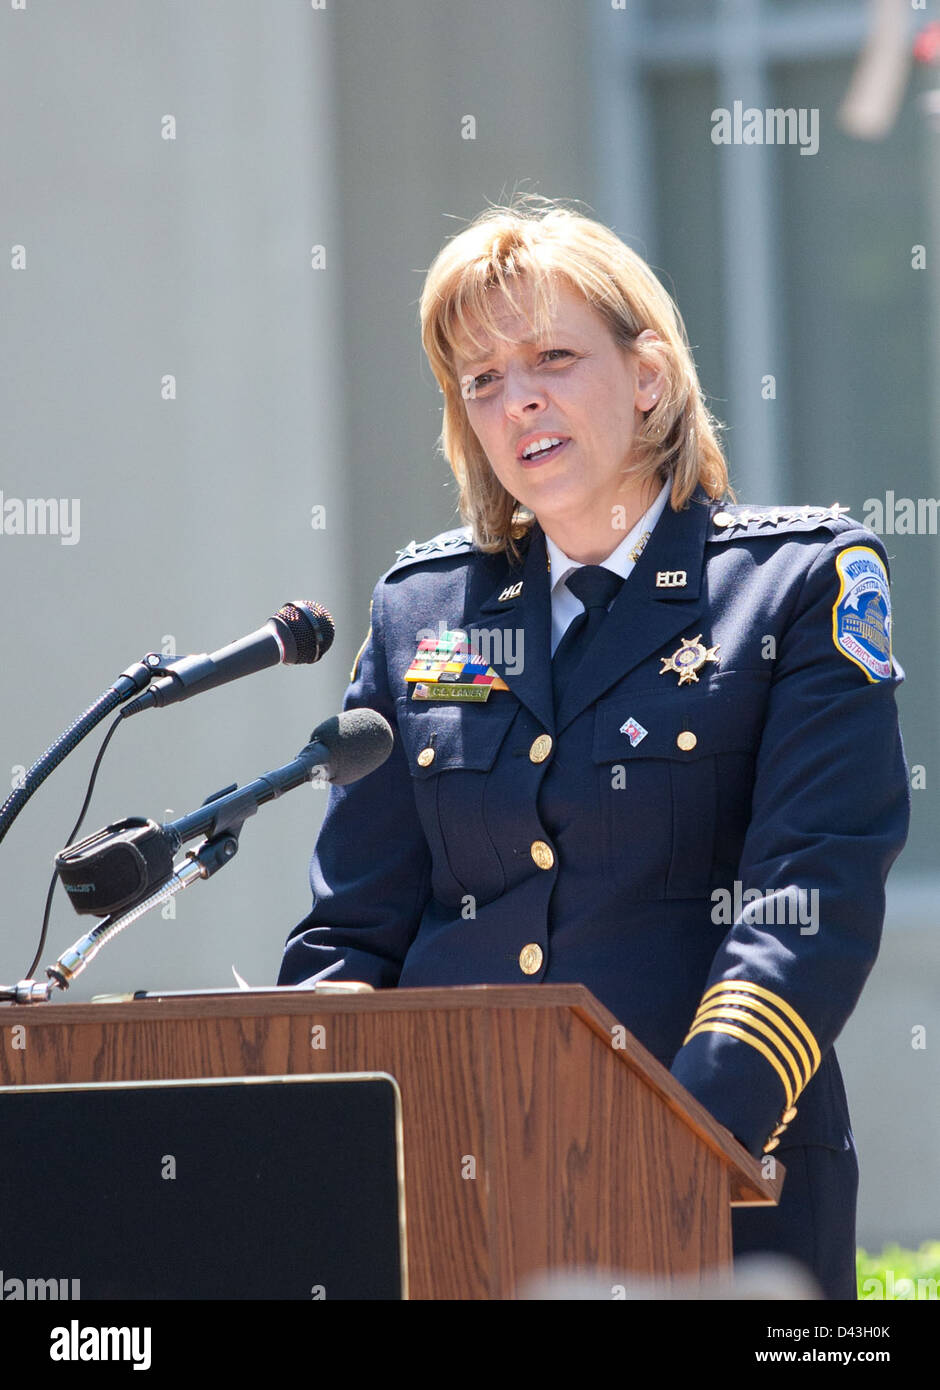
{"x": 829, "y": 816}
{"x": 370, "y": 871}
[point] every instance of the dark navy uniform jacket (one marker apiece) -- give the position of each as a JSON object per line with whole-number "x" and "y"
{"x": 714, "y": 874}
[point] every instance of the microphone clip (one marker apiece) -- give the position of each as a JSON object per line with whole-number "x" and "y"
{"x": 147, "y": 669}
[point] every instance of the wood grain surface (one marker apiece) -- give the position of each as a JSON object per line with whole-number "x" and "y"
{"x": 531, "y": 1142}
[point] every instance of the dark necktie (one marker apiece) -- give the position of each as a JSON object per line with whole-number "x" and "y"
{"x": 595, "y": 586}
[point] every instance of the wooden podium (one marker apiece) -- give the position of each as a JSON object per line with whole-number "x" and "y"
{"x": 539, "y": 1136}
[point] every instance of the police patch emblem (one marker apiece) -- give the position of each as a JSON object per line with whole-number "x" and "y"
{"x": 861, "y": 615}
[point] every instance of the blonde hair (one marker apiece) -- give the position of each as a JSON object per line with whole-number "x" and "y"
{"x": 533, "y": 241}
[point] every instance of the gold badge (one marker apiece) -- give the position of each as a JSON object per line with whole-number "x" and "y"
{"x": 689, "y": 659}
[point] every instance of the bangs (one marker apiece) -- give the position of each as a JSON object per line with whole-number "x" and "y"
{"x": 468, "y": 321}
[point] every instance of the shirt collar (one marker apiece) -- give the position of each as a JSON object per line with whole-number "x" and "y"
{"x": 620, "y": 561}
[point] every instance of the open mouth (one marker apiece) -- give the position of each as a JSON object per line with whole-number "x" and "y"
{"x": 542, "y": 454}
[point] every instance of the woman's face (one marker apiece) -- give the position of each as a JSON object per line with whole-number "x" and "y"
{"x": 577, "y": 386}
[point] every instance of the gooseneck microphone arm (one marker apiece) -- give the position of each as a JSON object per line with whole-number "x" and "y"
{"x": 128, "y": 683}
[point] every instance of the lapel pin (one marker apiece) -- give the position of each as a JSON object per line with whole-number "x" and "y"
{"x": 689, "y": 659}
{"x": 634, "y": 731}
{"x": 671, "y": 579}
{"x": 640, "y": 546}
{"x": 513, "y": 591}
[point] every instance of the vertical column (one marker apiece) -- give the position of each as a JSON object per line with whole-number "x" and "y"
{"x": 753, "y": 333}
{"x": 623, "y": 141}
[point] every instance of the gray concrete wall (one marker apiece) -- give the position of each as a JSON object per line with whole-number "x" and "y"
{"x": 146, "y": 257}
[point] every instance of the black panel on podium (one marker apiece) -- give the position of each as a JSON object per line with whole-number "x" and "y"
{"x": 284, "y": 1187}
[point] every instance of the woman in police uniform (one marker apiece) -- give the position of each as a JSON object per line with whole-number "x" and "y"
{"x": 645, "y": 740}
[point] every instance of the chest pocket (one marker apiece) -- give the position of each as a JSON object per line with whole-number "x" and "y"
{"x": 677, "y": 802}
{"x": 451, "y": 788}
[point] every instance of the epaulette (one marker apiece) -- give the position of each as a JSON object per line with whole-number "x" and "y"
{"x": 739, "y": 523}
{"x": 453, "y": 542}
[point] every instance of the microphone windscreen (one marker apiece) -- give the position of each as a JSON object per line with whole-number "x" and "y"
{"x": 115, "y": 867}
{"x": 359, "y": 741}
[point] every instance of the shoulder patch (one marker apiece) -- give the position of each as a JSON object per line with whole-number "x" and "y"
{"x": 446, "y": 543}
{"x": 738, "y": 522}
{"x": 861, "y": 614}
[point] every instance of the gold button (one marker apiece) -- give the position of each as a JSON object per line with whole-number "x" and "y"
{"x": 530, "y": 959}
{"x": 771, "y": 1145}
{"x": 687, "y": 741}
{"x": 723, "y": 519}
{"x": 541, "y": 748}
{"x": 542, "y": 854}
{"x": 789, "y": 1115}
{"x": 426, "y": 756}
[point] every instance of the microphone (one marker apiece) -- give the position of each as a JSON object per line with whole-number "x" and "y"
{"x": 355, "y": 742}
{"x": 118, "y": 867}
{"x": 341, "y": 750}
{"x": 298, "y": 634}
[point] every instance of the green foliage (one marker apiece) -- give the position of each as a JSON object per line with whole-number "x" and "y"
{"x": 897, "y": 1273}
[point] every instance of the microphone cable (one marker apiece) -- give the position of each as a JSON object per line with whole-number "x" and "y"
{"x": 115, "y": 725}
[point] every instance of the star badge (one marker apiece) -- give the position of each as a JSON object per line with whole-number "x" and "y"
{"x": 689, "y": 659}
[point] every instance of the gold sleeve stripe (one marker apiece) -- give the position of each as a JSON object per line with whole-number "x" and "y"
{"x": 754, "y": 1042}
{"x": 757, "y": 1007}
{"x": 781, "y": 1004}
{"x": 355, "y": 665}
{"x": 749, "y": 1021}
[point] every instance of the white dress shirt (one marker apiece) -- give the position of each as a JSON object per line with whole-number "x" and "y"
{"x": 621, "y": 561}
